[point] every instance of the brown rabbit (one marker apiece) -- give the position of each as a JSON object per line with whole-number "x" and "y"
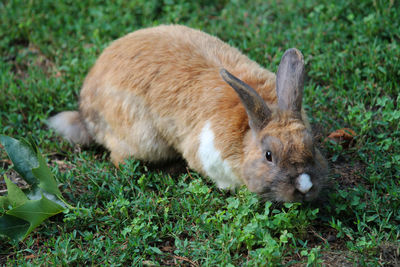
{"x": 162, "y": 92}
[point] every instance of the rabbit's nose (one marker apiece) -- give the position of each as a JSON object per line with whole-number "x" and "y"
{"x": 303, "y": 183}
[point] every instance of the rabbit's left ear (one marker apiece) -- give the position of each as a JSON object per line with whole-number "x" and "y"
{"x": 290, "y": 80}
{"x": 257, "y": 110}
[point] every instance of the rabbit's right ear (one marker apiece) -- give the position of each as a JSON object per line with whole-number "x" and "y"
{"x": 290, "y": 80}
{"x": 257, "y": 110}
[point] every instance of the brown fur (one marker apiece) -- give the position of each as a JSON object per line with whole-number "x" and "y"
{"x": 151, "y": 92}
{"x": 151, "y": 64}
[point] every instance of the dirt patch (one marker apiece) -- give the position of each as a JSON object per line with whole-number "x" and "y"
{"x": 346, "y": 171}
{"x": 336, "y": 258}
{"x": 348, "y": 174}
{"x": 174, "y": 260}
{"x": 30, "y": 56}
{"x": 389, "y": 254}
{"x": 43, "y": 62}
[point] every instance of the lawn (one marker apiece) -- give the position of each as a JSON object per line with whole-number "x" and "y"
{"x": 146, "y": 215}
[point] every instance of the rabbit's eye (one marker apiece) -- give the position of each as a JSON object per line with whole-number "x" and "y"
{"x": 268, "y": 155}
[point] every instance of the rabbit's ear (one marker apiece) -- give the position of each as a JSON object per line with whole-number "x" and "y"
{"x": 290, "y": 80}
{"x": 257, "y": 110}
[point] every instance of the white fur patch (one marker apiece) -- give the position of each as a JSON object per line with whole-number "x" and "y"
{"x": 304, "y": 183}
{"x": 217, "y": 169}
{"x": 68, "y": 125}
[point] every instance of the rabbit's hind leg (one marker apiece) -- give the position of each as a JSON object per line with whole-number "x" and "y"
{"x": 136, "y": 137}
{"x": 144, "y": 143}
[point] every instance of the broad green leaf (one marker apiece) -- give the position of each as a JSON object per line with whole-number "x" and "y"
{"x": 34, "y": 167}
{"x": 13, "y": 227}
{"x": 15, "y": 195}
{"x": 46, "y": 178}
{"x": 44, "y": 199}
{"x": 22, "y": 156}
{"x": 36, "y": 211}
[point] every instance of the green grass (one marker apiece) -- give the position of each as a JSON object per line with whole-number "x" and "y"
{"x": 139, "y": 216}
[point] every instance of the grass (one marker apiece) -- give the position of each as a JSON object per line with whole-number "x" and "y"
{"x": 140, "y": 216}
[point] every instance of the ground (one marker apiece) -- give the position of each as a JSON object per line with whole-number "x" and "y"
{"x": 169, "y": 215}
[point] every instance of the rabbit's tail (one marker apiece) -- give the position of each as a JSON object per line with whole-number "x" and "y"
{"x": 69, "y": 125}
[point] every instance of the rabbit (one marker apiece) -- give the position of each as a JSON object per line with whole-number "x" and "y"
{"x": 170, "y": 91}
